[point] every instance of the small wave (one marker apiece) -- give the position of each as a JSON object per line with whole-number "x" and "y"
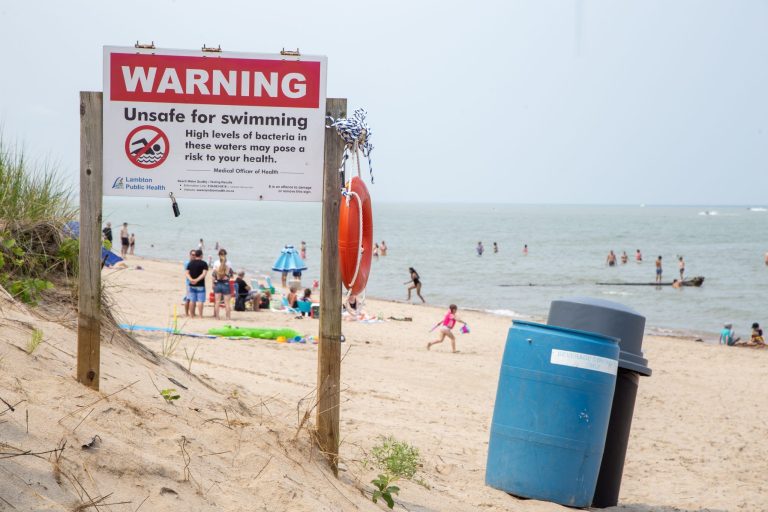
{"x": 708, "y": 212}
{"x": 502, "y": 312}
{"x": 613, "y": 292}
{"x": 758, "y": 209}
{"x": 150, "y": 159}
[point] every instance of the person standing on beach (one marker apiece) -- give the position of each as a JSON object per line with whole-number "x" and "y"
{"x": 124, "y": 240}
{"x": 132, "y": 244}
{"x": 658, "y": 269}
{"x": 480, "y": 249}
{"x": 445, "y": 328}
{"x": 303, "y": 250}
{"x": 197, "y": 269}
{"x": 415, "y": 284}
{"x": 188, "y": 296}
{"x": 383, "y": 248}
{"x": 611, "y": 259}
{"x": 107, "y": 231}
{"x": 638, "y": 256}
{"x": 681, "y": 266}
{"x": 222, "y": 271}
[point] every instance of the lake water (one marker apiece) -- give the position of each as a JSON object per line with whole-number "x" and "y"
{"x": 567, "y": 250}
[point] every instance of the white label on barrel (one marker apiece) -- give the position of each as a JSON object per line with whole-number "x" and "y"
{"x": 585, "y": 361}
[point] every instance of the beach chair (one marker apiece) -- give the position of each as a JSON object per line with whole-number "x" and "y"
{"x": 305, "y": 307}
{"x": 287, "y": 307}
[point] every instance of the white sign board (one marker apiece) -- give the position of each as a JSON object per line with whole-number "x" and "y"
{"x": 213, "y": 125}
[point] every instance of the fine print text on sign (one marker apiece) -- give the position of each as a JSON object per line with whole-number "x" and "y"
{"x": 217, "y": 125}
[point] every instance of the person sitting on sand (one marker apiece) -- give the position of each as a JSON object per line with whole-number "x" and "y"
{"x": 351, "y": 305}
{"x": 306, "y": 298}
{"x": 445, "y": 328}
{"x": 293, "y": 299}
{"x": 245, "y": 293}
{"x": 416, "y": 284}
{"x": 728, "y": 336}
{"x": 757, "y": 336}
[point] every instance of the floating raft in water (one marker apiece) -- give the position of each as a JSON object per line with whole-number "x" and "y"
{"x": 693, "y": 281}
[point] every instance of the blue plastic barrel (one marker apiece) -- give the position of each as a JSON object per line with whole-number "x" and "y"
{"x": 551, "y": 415}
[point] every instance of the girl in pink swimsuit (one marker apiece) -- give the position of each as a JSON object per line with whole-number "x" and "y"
{"x": 445, "y": 328}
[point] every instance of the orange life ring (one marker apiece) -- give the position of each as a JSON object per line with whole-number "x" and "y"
{"x": 355, "y": 245}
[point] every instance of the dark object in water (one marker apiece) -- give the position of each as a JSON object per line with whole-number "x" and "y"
{"x": 692, "y": 281}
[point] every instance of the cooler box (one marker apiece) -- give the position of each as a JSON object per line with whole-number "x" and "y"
{"x": 551, "y": 414}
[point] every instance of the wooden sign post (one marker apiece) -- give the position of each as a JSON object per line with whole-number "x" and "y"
{"x": 89, "y": 297}
{"x": 89, "y": 284}
{"x": 329, "y": 347}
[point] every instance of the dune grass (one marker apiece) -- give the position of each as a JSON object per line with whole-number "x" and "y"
{"x": 35, "y": 205}
{"x": 30, "y": 193}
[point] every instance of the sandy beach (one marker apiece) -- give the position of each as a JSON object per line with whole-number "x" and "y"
{"x": 232, "y": 441}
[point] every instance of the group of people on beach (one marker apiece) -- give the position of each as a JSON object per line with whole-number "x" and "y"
{"x": 728, "y": 337}
{"x": 127, "y": 240}
{"x": 196, "y": 270}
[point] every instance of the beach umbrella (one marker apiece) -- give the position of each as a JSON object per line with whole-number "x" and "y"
{"x": 289, "y": 260}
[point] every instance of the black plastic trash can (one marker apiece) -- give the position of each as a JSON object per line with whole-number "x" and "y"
{"x": 618, "y": 321}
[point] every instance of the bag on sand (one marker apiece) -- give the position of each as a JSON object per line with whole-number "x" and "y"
{"x": 240, "y": 303}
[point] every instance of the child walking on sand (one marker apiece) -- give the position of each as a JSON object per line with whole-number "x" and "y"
{"x": 445, "y": 328}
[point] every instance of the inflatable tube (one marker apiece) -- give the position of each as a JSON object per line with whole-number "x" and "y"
{"x": 264, "y": 333}
{"x": 355, "y": 237}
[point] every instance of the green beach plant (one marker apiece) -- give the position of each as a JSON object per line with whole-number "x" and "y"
{"x": 169, "y": 395}
{"x": 397, "y": 460}
{"x": 34, "y": 341}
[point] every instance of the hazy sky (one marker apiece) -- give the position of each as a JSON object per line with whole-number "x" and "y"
{"x": 566, "y": 101}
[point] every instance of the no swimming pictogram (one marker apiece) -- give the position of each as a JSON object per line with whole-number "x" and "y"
{"x": 147, "y": 146}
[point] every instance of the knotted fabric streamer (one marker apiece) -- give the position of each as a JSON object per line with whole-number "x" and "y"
{"x": 356, "y": 135}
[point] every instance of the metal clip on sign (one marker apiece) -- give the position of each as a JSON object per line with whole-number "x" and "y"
{"x": 174, "y": 205}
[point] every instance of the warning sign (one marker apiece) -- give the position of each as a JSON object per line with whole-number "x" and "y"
{"x": 146, "y": 147}
{"x": 224, "y": 125}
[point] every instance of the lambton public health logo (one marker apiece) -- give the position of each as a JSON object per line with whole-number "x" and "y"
{"x": 118, "y": 184}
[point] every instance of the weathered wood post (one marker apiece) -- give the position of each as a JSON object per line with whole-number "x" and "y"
{"x": 329, "y": 347}
{"x": 89, "y": 287}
